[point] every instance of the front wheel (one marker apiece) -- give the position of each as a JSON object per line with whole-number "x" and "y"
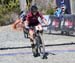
{"x": 40, "y": 47}
{"x": 37, "y": 42}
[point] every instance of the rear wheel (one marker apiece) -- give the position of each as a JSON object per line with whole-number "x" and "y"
{"x": 25, "y": 31}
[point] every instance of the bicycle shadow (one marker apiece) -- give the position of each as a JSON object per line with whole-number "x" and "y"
{"x": 48, "y": 53}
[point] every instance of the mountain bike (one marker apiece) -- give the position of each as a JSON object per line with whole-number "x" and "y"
{"x": 39, "y": 43}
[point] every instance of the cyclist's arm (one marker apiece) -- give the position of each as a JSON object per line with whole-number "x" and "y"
{"x": 43, "y": 19}
{"x": 26, "y": 22}
{"x": 21, "y": 20}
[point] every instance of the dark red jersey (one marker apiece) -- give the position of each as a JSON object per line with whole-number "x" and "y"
{"x": 33, "y": 19}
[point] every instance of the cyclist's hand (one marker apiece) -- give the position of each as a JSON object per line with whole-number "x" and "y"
{"x": 45, "y": 22}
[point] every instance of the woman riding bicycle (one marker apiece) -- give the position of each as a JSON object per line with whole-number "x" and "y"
{"x": 32, "y": 20}
{"x": 20, "y": 20}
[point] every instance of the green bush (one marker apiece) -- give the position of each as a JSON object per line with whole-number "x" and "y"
{"x": 50, "y": 11}
{"x": 6, "y": 9}
{"x": 4, "y": 19}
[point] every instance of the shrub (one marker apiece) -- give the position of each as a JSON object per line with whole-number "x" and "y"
{"x": 6, "y": 9}
{"x": 50, "y": 11}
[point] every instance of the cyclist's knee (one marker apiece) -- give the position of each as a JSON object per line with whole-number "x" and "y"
{"x": 31, "y": 32}
{"x": 31, "y": 35}
{"x": 40, "y": 29}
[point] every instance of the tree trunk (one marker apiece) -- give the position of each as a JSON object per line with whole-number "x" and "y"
{"x": 23, "y": 5}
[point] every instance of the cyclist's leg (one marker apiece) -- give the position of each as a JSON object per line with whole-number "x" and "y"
{"x": 31, "y": 32}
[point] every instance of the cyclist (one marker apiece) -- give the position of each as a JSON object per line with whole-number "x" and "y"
{"x": 58, "y": 12}
{"x": 32, "y": 20}
{"x": 20, "y": 19}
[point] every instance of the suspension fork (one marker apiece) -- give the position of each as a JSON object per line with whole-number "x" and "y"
{"x": 43, "y": 45}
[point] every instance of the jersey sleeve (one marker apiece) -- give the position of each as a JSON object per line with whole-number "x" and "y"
{"x": 40, "y": 15}
{"x": 28, "y": 16}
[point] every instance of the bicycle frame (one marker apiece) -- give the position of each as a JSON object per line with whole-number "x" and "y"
{"x": 39, "y": 43}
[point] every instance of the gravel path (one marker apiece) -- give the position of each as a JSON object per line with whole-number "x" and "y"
{"x": 62, "y": 46}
